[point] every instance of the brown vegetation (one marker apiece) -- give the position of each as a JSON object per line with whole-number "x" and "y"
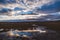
{"x": 24, "y": 25}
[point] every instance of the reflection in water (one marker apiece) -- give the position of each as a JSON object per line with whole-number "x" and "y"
{"x": 36, "y": 33}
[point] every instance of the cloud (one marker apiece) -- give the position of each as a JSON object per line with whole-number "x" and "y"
{"x": 2, "y": 2}
{"x": 45, "y": 9}
{"x": 18, "y": 9}
{"x": 49, "y": 8}
{"x": 7, "y": 1}
{"x": 4, "y": 11}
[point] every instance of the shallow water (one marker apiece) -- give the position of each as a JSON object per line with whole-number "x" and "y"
{"x": 43, "y": 34}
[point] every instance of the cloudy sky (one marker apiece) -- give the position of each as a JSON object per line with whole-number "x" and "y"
{"x": 29, "y": 10}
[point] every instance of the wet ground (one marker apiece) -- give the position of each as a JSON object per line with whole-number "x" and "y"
{"x": 39, "y": 33}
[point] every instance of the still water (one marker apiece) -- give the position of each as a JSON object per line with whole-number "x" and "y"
{"x": 38, "y": 33}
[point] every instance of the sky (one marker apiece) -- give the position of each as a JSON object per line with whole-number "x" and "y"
{"x": 29, "y": 10}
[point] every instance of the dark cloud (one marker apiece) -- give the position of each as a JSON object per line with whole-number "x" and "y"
{"x": 2, "y": 2}
{"x": 17, "y": 9}
{"x": 11, "y": 1}
{"x": 7, "y": 1}
{"x": 5, "y": 10}
{"x": 51, "y": 8}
